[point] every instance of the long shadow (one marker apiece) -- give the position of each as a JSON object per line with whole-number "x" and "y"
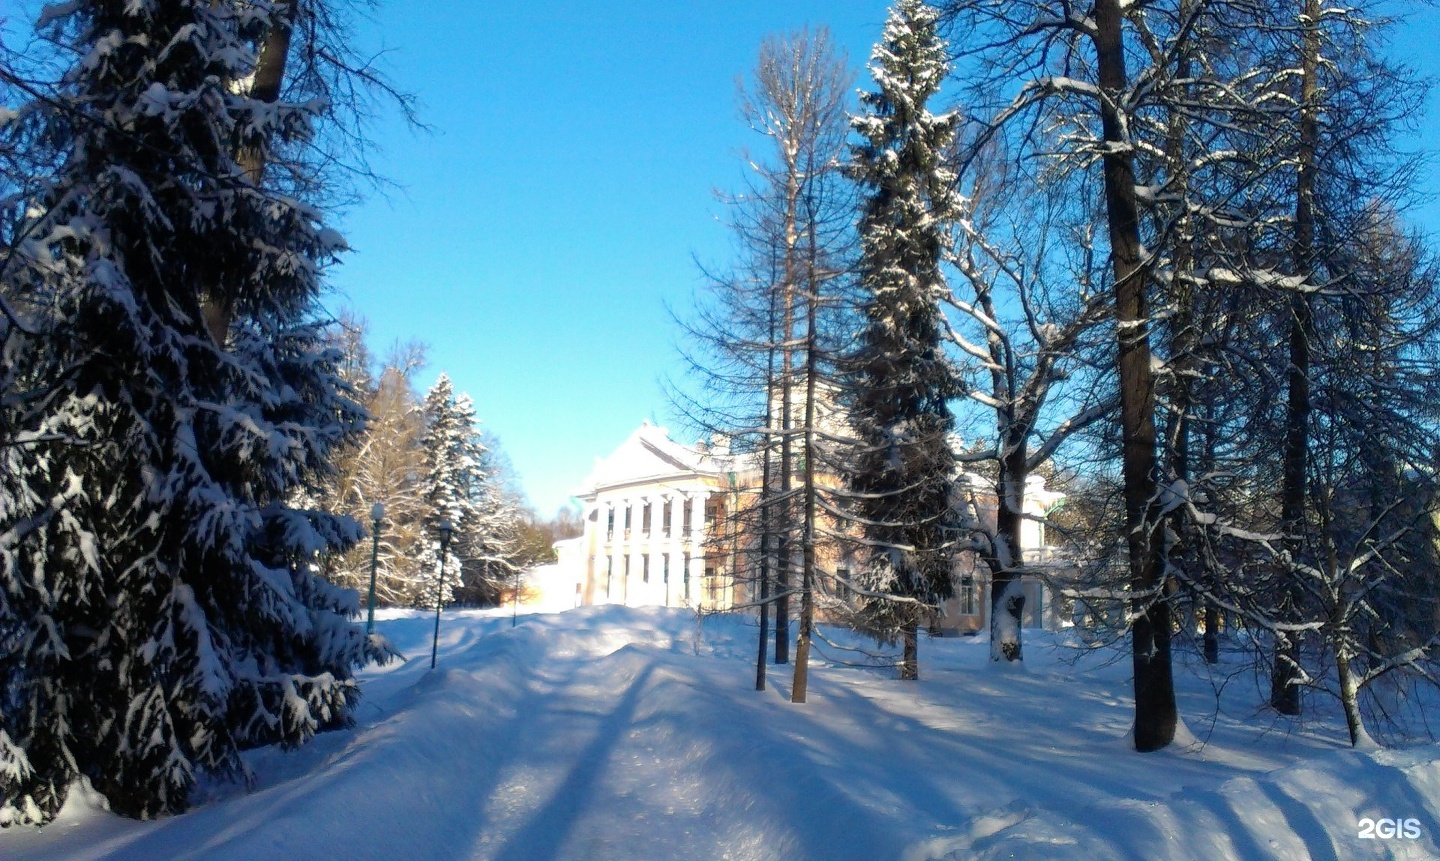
{"x": 272, "y": 817}
{"x": 1319, "y": 844}
{"x": 1232, "y": 825}
{"x": 543, "y": 836}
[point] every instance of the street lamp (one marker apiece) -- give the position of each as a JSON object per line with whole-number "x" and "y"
{"x": 515, "y": 600}
{"x": 377, "y": 512}
{"x": 445, "y": 530}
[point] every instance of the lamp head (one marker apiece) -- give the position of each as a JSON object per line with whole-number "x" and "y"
{"x": 445, "y": 528}
{"x": 377, "y": 512}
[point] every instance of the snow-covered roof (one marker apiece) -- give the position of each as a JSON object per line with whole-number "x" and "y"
{"x": 649, "y": 454}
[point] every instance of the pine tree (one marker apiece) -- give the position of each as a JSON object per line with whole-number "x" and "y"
{"x": 901, "y": 474}
{"x": 460, "y": 489}
{"x": 161, "y": 608}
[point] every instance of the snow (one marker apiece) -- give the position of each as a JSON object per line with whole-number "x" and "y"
{"x": 623, "y": 733}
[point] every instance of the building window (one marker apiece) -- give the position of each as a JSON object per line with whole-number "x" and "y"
{"x": 609, "y": 569}
{"x": 610, "y": 526}
{"x": 685, "y": 508}
{"x": 686, "y": 574}
{"x": 628, "y": 518}
{"x": 645, "y": 519}
{"x": 667, "y": 517}
{"x": 627, "y": 569}
{"x": 842, "y": 585}
{"x": 969, "y": 602}
{"x": 665, "y": 569}
{"x": 645, "y": 569}
{"x": 712, "y": 585}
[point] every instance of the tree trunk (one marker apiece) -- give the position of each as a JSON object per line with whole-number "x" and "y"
{"x": 764, "y": 566}
{"x": 1284, "y": 680}
{"x": 1212, "y": 636}
{"x": 1007, "y": 599}
{"x": 910, "y": 660}
{"x": 1155, "y": 713}
{"x": 218, "y": 307}
{"x": 807, "y": 538}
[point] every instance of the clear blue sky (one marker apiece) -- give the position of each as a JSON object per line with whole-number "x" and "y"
{"x": 564, "y": 194}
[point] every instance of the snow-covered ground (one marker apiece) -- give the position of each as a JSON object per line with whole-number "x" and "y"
{"x": 613, "y": 733}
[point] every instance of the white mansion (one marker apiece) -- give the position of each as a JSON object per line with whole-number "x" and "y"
{"x": 659, "y": 530}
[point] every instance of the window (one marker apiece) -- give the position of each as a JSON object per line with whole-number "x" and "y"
{"x": 627, "y": 569}
{"x": 686, "y": 574}
{"x": 667, "y": 517}
{"x": 842, "y": 586}
{"x": 610, "y": 526}
{"x": 665, "y": 571}
{"x": 712, "y": 585}
{"x": 969, "y": 604}
{"x": 685, "y": 508}
{"x": 645, "y": 518}
{"x": 609, "y": 569}
{"x": 645, "y": 569}
{"x": 628, "y": 512}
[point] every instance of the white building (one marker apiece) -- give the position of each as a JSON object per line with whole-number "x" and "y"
{"x": 648, "y": 509}
{"x": 658, "y": 530}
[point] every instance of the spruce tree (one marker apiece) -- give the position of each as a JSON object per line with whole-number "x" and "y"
{"x": 160, "y": 609}
{"x": 901, "y": 474}
{"x": 459, "y": 488}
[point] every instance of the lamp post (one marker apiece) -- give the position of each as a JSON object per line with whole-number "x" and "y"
{"x": 445, "y": 530}
{"x": 377, "y": 512}
{"x": 515, "y": 600}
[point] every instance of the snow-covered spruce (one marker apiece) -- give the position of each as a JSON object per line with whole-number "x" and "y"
{"x": 459, "y": 488}
{"x": 160, "y": 609}
{"x": 900, "y": 379}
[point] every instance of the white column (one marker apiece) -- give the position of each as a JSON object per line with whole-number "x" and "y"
{"x": 697, "y": 547}
{"x": 632, "y": 552}
{"x": 591, "y": 550}
{"x": 655, "y": 589}
{"x": 675, "y": 552}
{"x": 617, "y": 554}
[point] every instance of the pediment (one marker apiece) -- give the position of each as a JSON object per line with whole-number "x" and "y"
{"x": 647, "y": 453}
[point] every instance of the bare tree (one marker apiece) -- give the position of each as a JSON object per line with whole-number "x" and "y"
{"x": 764, "y": 331}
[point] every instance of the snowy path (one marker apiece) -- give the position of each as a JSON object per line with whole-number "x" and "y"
{"x": 618, "y": 734}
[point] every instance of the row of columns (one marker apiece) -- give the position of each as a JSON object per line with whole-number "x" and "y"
{"x": 665, "y": 546}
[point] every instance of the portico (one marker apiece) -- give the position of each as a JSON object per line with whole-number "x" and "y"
{"x": 645, "y": 530}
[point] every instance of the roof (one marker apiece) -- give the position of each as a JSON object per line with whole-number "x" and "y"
{"x": 649, "y": 454}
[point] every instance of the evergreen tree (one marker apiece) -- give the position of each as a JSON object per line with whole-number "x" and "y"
{"x": 901, "y": 474}
{"x": 160, "y": 609}
{"x": 460, "y": 489}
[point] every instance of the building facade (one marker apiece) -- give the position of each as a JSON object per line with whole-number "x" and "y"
{"x": 651, "y": 513}
{"x": 661, "y": 528}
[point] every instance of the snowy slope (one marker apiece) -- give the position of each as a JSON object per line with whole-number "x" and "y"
{"x": 612, "y": 733}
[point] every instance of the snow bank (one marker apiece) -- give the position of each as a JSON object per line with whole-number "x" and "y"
{"x": 1315, "y": 810}
{"x": 635, "y": 735}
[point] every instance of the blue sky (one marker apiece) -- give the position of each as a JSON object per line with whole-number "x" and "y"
{"x": 564, "y": 194}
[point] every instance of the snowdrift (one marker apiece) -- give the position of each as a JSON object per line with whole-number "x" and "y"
{"x": 612, "y": 733}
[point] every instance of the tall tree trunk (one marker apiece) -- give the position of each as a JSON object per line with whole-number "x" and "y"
{"x": 1155, "y": 713}
{"x": 218, "y": 308}
{"x": 1184, "y": 363}
{"x": 910, "y": 659}
{"x": 1007, "y": 598}
{"x": 787, "y": 369}
{"x": 765, "y": 541}
{"x": 1284, "y": 680}
{"x": 807, "y": 538}
{"x": 1212, "y": 611}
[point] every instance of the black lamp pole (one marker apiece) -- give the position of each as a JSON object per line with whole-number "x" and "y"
{"x": 445, "y": 529}
{"x": 377, "y": 512}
